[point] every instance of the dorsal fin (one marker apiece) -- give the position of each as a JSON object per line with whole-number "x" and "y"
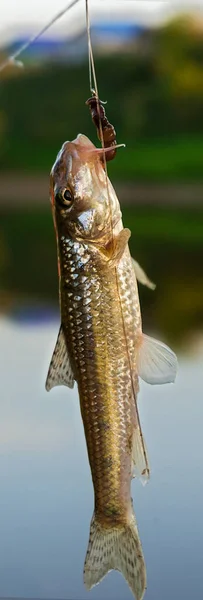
{"x": 60, "y": 371}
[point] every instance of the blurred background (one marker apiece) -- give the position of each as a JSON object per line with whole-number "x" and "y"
{"x": 149, "y": 62}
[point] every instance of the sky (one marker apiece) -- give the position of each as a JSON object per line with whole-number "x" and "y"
{"x": 23, "y": 18}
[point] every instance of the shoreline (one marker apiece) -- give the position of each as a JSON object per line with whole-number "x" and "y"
{"x": 30, "y": 190}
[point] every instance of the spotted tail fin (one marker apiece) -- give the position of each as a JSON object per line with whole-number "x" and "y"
{"x": 115, "y": 548}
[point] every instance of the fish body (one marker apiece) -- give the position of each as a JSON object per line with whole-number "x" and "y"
{"x": 100, "y": 346}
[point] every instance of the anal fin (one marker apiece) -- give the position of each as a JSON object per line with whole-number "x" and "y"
{"x": 140, "y": 462}
{"x": 60, "y": 371}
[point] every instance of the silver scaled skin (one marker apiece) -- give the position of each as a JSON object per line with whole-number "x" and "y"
{"x": 98, "y": 347}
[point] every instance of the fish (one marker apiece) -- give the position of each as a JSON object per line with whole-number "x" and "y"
{"x": 101, "y": 346}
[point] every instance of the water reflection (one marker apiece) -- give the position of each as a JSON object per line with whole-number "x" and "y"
{"x": 46, "y": 490}
{"x": 167, "y": 241}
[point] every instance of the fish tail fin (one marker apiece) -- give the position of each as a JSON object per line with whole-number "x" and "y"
{"x": 117, "y": 548}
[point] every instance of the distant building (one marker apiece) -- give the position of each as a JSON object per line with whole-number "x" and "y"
{"x": 115, "y": 36}
{"x": 106, "y": 37}
{"x": 47, "y": 50}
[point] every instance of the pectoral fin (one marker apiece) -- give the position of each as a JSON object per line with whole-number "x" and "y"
{"x": 141, "y": 275}
{"x": 60, "y": 371}
{"x": 115, "y": 249}
{"x": 156, "y": 363}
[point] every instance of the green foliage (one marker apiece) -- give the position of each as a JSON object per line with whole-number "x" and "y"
{"x": 154, "y": 98}
{"x": 168, "y": 158}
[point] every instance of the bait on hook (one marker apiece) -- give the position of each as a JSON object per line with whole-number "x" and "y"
{"x": 102, "y": 124}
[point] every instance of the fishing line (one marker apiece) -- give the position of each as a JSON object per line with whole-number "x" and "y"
{"x": 12, "y": 58}
{"x": 92, "y": 76}
{"x": 94, "y": 91}
{"x": 92, "y": 73}
{"x": 90, "y": 53}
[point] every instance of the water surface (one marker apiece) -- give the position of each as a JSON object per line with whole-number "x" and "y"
{"x": 46, "y": 499}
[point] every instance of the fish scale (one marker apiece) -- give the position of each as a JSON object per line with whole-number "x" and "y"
{"x": 99, "y": 387}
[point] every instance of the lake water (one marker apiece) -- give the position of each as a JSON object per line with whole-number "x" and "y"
{"x": 46, "y": 498}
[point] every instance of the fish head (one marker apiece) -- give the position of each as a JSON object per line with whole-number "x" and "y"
{"x": 84, "y": 202}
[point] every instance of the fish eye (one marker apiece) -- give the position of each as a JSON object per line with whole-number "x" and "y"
{"x": 68, "y": 197}
{"x": 64, "y": 198}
